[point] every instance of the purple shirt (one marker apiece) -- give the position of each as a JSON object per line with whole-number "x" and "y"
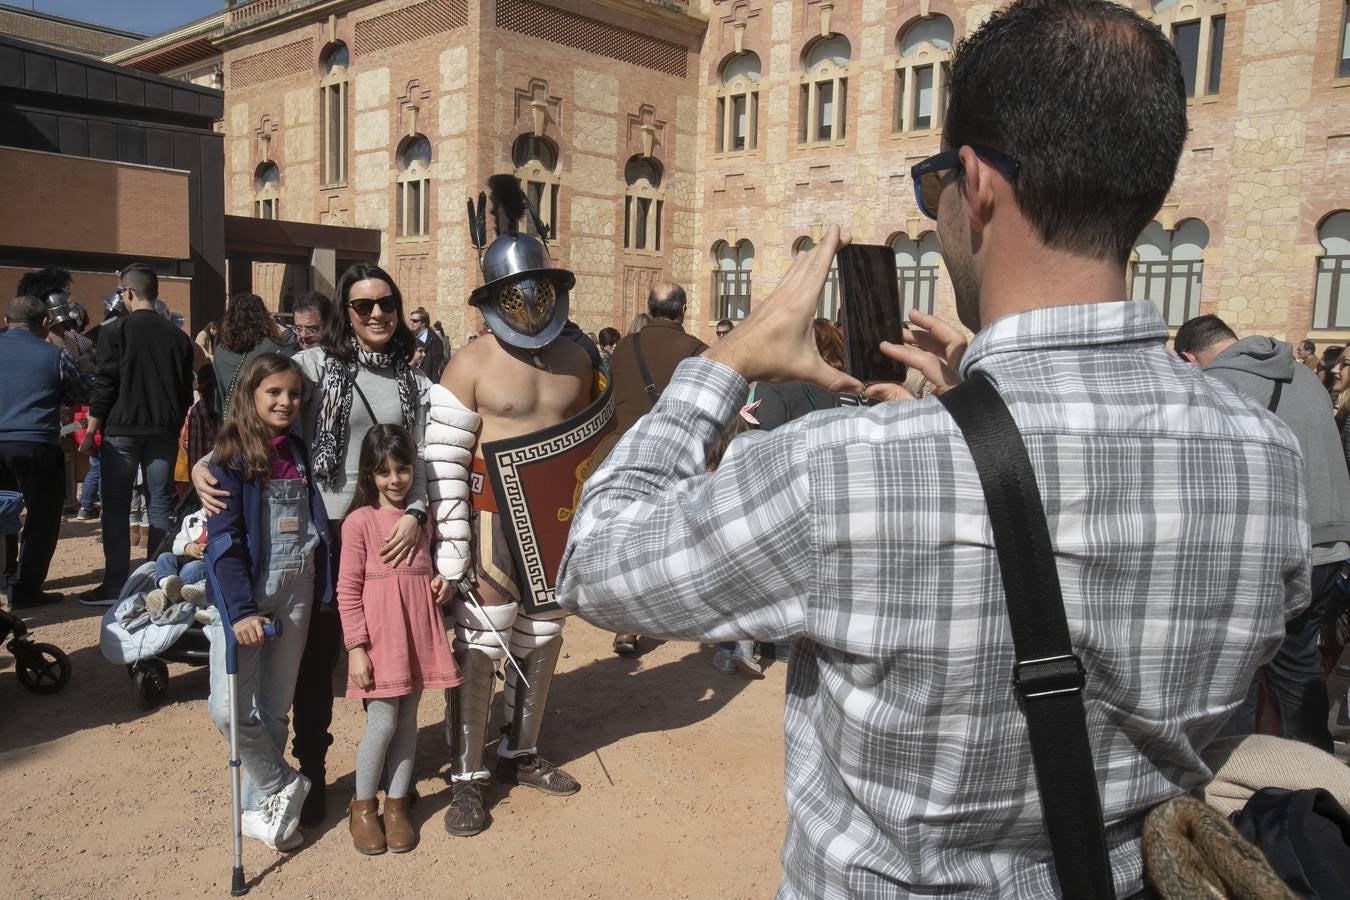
{"x": 283, "y": 460}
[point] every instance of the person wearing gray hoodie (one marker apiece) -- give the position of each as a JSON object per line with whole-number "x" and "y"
{"x": 1264, "y": 371}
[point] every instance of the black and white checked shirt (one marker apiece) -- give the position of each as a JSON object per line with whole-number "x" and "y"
{"x": 1176, "y": 511}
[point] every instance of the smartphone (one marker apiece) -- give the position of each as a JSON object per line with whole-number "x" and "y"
{"x": 869, "y": 292}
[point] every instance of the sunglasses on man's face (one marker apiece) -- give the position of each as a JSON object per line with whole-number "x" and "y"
{"x": 928, "y": 181}
{"x": 365, "y": 306}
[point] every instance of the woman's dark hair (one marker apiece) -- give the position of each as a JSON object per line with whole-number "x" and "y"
{"x": 206, "y": 387}
{"x": 245, "y": 442}
{"x": 380, "y": 443}
{"x": 338, "y": 332}
{"x": 1330, "y": 357}
{"x": 608, "y": 337}
{"x": 828, "y": 342}
{"x": 247, "y": 322}
{"x": 1088, "y": 98}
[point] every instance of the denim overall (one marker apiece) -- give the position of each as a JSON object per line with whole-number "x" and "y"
{"x": 266, "y": 672}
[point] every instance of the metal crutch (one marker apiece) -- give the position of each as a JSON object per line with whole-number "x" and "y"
{"x": 238, "y": 886}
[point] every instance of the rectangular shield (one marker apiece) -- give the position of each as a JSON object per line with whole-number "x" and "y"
{"x": 537, "y": 481}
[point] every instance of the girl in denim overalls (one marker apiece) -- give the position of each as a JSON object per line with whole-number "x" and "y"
{"x": 267, "y": 559}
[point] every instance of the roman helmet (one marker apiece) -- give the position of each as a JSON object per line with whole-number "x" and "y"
{"x": 58, "y": 308}
{"x": 524, "y": 297}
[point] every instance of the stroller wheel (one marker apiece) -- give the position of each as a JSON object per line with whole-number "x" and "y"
{"x": 150, "y": 681}
{"x": 42, "y": 668}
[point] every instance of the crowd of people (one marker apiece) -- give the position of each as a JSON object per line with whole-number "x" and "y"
{"x": 758, "y": 496}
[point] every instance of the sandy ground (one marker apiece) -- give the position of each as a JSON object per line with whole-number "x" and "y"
{"x": 681, "y": 768}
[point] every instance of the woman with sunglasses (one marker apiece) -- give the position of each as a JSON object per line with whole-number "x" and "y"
{"x": 358, "y": 377}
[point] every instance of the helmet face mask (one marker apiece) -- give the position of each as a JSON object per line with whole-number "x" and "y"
{"x": 525, "y": 300}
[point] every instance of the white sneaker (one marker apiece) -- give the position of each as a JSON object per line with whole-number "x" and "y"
{"x": 195, "y": 594}
{"x": 288, "y": 801}
{"x": 255, "y": 825}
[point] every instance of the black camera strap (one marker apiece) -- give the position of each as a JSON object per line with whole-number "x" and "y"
{"x": 653, "y": 393}
{"x": 1048, "y": 676}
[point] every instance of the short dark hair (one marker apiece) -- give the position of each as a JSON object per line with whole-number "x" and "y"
{"x": 338, "y": 335}
{"x": 43, "y": 282}
{"x": 1308, "y": 347}
{"x": 1201, "y": 333}
{"x": 141, "y": 279}
{"x": 1088, "y": 98}
{"x": 608, "y": 337}
{"x": 727, "y": 322}
{"x": 671, "y": 306}
{"x": 313, "y": 301}
{"x": 26, "y": 310}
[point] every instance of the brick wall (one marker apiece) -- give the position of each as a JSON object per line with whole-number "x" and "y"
{"x": 93, "y": 205}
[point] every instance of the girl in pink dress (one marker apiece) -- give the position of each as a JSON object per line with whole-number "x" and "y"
{"x": 391, "y": 624}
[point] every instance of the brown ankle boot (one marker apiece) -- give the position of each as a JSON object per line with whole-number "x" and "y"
{"x": 398, "y": 827}
{"x": 367, "y": 835}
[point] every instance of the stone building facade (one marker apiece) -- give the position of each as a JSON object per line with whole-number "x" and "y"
{"x": 707, "y": 143}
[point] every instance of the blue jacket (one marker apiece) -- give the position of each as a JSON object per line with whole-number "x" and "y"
{"x": 230, "y": 560}
{"x": 30, "y": 404}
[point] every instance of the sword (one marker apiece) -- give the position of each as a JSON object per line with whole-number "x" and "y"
{"x": 470, "y": 593}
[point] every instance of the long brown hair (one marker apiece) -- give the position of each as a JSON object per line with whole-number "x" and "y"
{"x": 245, "y": 443}
{"x": 381, "y": 442}
{"x": 828, "y": 342}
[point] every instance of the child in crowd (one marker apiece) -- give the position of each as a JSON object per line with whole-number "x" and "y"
{"x": 180, "y": 574}
{"x": 267, "y": 557}
{"x": 395, "y": 639}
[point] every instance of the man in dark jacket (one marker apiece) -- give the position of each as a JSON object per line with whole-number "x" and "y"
{"x": 38, "y": 378}
{"x": 660, "y": 347}
{"x": 142, "y": 391}
{"x": 1263, "y": 370}
{"x": 641, "y": 367}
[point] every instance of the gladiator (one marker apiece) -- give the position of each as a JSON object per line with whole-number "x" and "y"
{"x": 521, "y": 378}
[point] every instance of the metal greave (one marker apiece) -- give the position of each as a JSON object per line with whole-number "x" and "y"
{"x": 467, "y": 709}
{"x": 525, "y": 703}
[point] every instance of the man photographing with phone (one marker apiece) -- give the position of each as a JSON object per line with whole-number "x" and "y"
{"x": 864, "y": 536}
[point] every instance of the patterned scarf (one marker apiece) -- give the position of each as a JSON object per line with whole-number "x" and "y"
{"x": 337, "y": 389}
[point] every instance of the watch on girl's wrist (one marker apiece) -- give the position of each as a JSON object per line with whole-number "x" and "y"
{"x": 418, "y": 514}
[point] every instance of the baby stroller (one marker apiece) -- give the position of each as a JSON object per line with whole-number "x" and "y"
{"x": 42, "y": 668}
{"x": 147, "y": 651}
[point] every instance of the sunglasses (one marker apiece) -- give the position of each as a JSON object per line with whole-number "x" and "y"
{"x": 366, "y": 306}
{"x": 927, "y": 175}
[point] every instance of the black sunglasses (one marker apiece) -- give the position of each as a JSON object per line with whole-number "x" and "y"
{"x": 366, "y": 306}
{"x": 927, "y": 175}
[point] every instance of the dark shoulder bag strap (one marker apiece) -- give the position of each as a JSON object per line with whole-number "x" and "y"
{"x": 1275, "y": 396}
{"x": 364, "y": 402}
{"x": 1048, "y": 676}
{"x": 652, "y": 392}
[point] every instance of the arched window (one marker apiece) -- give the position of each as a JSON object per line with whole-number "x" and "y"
{"x": 1168, "y": 267}
{"x": 824, "y": 90}
{"x": 731, "y": 279}
{"x": 536, "y": 161}
{"x": 916, "y": 268}
{"x": 1331, "y": 298}
{"x": 921, "y": 73}
{"x": 1197, "y": 38}
{"x": 827, "y": 306}
{"x": 333, "y": 113}
{"x": 266, "y": 188}
{"x": 738, "y": 104}
{"x": 414, "y": 187}
{"x": 644, "y": 205}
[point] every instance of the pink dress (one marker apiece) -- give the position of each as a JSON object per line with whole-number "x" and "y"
{"x": 391, "y": 610}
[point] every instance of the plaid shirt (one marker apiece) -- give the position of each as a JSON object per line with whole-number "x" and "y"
{"x": 1176, "y": 511}
{"x": 74, "y": 387}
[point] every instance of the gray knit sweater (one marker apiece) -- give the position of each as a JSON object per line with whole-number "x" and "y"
{"x": 381, "y": 390}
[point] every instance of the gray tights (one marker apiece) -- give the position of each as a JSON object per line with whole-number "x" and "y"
{"x": 387, "y": 747}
